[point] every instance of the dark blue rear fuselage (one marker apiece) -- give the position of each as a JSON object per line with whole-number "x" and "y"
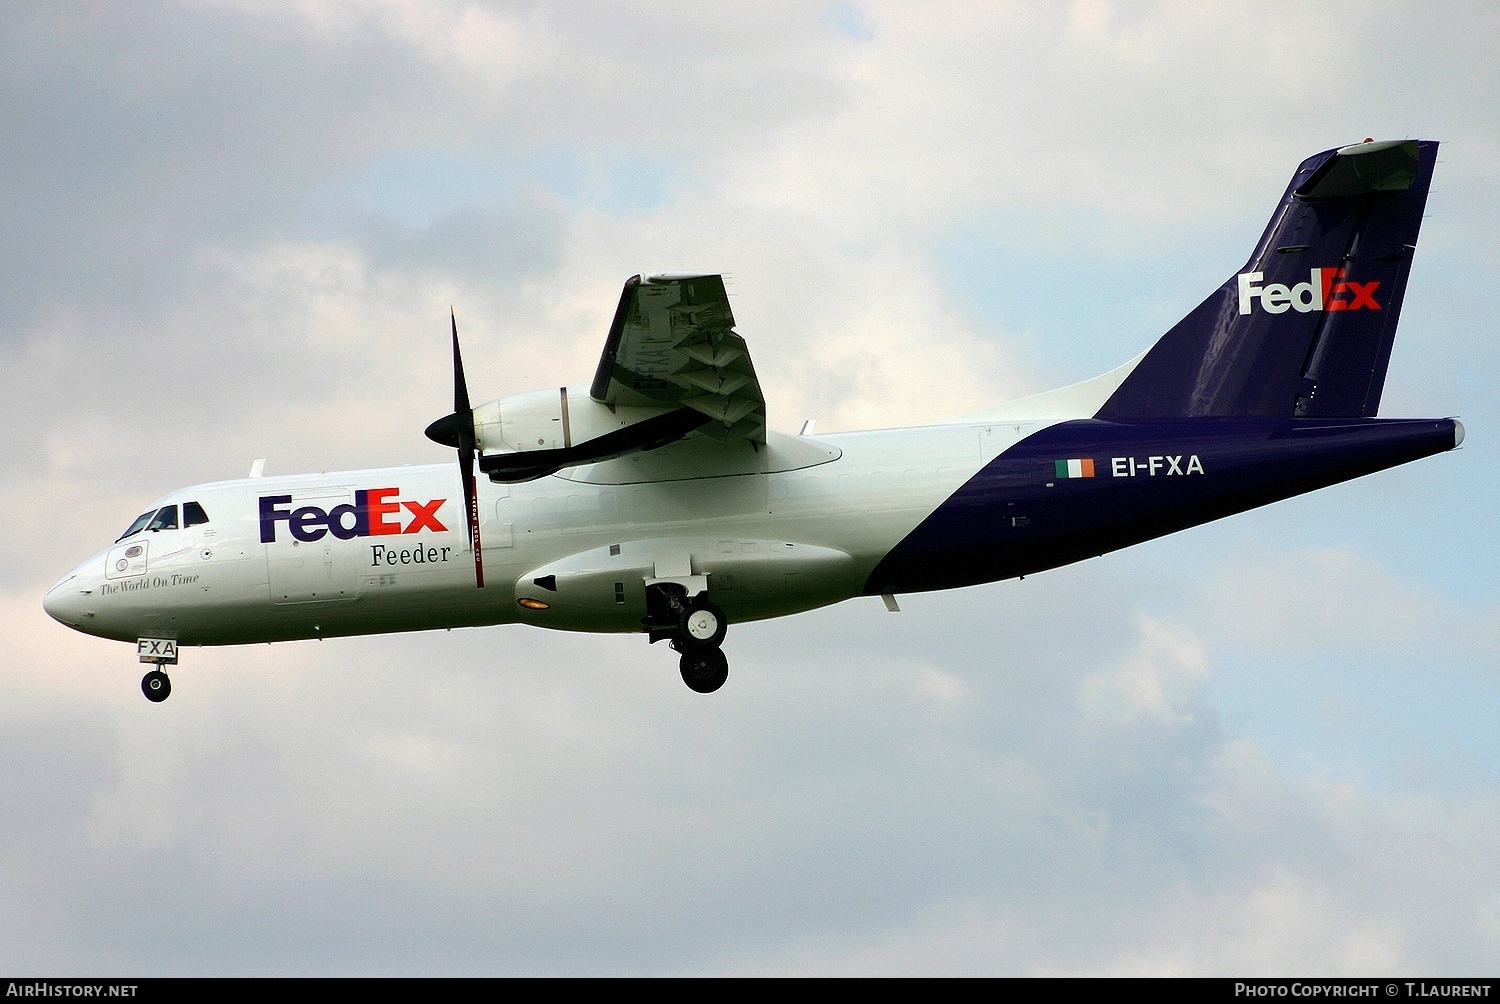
{"x": 1022, "y": 513}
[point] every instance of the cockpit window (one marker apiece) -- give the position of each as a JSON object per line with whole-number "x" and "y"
{"x": 138, "y": 525}
{"x": 166, "y": 519}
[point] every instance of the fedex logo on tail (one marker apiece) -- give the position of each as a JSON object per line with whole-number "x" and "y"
{"x": 1325, "y": 289}
{"x": 373, "y": 514}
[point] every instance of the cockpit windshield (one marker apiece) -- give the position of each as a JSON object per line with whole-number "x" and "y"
{"x": 138, "y": 525}
{"x": 165, "y": 518}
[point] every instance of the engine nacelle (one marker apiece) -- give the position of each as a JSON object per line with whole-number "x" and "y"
{"x": 556, "y": 419}
{"x": 533, "y": 434}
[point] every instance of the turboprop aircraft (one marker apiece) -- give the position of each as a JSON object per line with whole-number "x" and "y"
{"x": 656, "y": 499}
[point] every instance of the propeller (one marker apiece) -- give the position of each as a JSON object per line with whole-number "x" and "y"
{"x": 457, "y": 430}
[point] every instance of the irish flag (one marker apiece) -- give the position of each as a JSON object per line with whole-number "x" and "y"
{"x": 1083, "y": 468}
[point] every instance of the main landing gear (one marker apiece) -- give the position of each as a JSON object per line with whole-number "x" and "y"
{"x": 695, "y": 629}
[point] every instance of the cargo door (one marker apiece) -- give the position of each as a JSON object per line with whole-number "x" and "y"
{"x": 317, "y": 571}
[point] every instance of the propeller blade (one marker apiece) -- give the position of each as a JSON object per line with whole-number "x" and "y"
{"x": 460, "y": 386}
{"x": 457, "y": 430}
{"x": 471, "y": 509}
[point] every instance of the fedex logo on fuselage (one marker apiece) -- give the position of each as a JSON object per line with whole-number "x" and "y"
{"x": 1325, "y": 289}
{"x": 373, "y": 514}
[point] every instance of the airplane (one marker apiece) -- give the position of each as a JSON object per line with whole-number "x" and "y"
{"x": 656, "y": 499}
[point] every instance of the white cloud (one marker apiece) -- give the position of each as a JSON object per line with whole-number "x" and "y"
{"x": 1155, "y": 684}
{"x": 1317, "y": 598}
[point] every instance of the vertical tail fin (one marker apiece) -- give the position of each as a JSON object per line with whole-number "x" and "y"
{"x": 1305, "y": 328}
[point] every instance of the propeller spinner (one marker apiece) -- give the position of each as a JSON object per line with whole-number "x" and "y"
{"x": 457, "y": 430}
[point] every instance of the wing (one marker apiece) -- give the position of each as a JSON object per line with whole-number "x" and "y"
{"x": 673, "y": 341}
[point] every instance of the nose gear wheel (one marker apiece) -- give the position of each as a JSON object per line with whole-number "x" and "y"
{"x": 157, "y": 686}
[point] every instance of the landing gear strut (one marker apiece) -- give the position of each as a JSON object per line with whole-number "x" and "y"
{"x": 695, "y": 628}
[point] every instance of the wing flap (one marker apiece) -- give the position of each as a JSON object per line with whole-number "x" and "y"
{"x": 673, "y": 341}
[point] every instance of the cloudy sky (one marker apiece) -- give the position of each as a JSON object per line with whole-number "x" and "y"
{"x": 233, "y": 230}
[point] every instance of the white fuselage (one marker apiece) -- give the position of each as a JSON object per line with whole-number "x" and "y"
{"x": 799, "y": 524}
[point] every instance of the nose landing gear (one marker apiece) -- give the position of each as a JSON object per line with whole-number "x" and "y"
{"x": 695, "y": 629}
{"x": 157, "y": 686}
{"x": 156, "y": 652}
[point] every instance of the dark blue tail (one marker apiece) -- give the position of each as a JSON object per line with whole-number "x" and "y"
{"x": 1305, "y": 328}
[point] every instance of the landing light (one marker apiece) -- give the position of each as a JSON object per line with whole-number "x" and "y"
{"x": 531, "y": 604}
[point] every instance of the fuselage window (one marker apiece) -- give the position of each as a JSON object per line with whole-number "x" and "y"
{"x": 193, "y": 514}
{"x": 138, "y": 525}
{"x": 166, "y": 519}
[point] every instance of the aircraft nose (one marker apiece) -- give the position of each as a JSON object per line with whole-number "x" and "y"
{"x": 64, "y": 601}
